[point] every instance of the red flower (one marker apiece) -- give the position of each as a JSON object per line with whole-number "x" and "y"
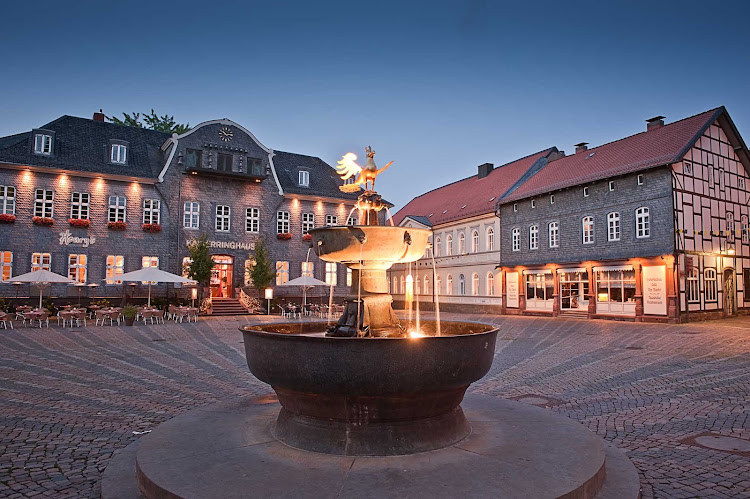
{"x": 117, "y": 225}
{"x": 7, "y": 219}
{"x": 307, "y": 237}
{"x": 43, "y": 220}
{"x": 79, "y": 222}
{"x": 285, "y": 236}
{"x": 151, "y": 227}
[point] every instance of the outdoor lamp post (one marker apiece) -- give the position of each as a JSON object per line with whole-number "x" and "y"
{"x": 269, "y": 297}
{"x": 194, "y": 295}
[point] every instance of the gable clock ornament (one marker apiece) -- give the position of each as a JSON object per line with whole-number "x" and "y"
{"x": 225, "y": 134}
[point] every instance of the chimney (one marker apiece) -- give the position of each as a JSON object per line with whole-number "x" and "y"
{"x": 555, "y": 155}
{"x": 99, "y": 116}
{"x": 484, "y": 169}
{"x": 654, "y": 123}
{"x": 582, "y": 146}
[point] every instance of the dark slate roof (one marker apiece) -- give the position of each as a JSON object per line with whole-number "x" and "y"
{"x": 420, "y": 219}
{"x": 323, "y": 178}
{"x": 81, "y": 145}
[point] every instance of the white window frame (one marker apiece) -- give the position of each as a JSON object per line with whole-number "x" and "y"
{"x": 551, "y": 199}
{"x": 282, "y": 272}
{"x": 77, "y": 267}
{"x": 516, "y": 239}
{"x": 117, "y": 208}
{"x": 585, "y": 192}
{"x": 223, "y": 218}
{"x": 252, "y": 220}
{"x": 475, "y": 241}
{"x": 533, "y": 204}
{"x": 475, "y": 284}
{"x": 692, "y": 289}
{"x": 461, "y": 285}
{"x": 639, "y": 179}
{"x": 515, "y": 207}
{"x": 150, "y": 261}
{"x": 43, "y": 144}
{"x": 611, "y": 185}
{"x": 461, "y": 243}
{"x": 282, "y": 222}
{"x": 332, "y": 220}
{"x": 307, "y": 269}
{"x": 6, "y": 265}
{"x": 119, "y": 154}
{"x": 642, "y": 223}
{"x": 449, "y": 285}
{"x": 41, "y": 261}
{"x": 553, "y": 231}
{"x": 533, "y": 237}
{"x": 151, "y": 211}
{"x": 710, "y": 285}
{"x": 304, "y": 178}
{"x": 44, "y": 203}
{"x": 449, "y": 245}
{"x": 331, "y": 273}
{"x": 613, "y": 226}
{"x": 349, "y": 276}
{"x": 7, "y": 200}
{"x": 490, "y": 239}
{"x": 308, "y": 222}
{"x": 490, "y": 284}
{"x": 436, "y": 247}
{"x": 587, "y": 229}
{"x": 191, "y": 215}
{"x": 79, "y": 205}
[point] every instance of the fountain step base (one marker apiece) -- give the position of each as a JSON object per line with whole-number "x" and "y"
{"x": 227, "y": 450}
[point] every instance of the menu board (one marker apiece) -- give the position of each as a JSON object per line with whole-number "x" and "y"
{"x": 655, "y": 290}
{"x": 511, "y": 289}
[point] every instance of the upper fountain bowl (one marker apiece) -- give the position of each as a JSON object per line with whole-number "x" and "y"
{"x": 378, "y": 245}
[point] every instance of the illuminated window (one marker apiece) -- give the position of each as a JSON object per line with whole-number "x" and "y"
{"x": 223, "y": 216}
{"x": 77, "y": 268}
{"x": 490, "y": 284}
{"x": 516, "y": 239}
{"x": 461, "y": 243}
{"x": 710, "y": 285}
{"x": 475, "y": 284}
{"x": 252, "y": 220}
{"x": 117, "y": 206}
{"x": 151, "y": 211}
{"x": 475, "y": 242}
{"x": 119, "y": 154}
{"x": 282, "y": 272}
{"x": 40, "y": 261}
{"x": 348, "y": 276}
{"x": 643, "y": 224}
{"x": 43, "y": 203}
{"x": 534, "y": 237}
{"x": 115, "y": 267}
{"x": 554, "y": 234}
{"x": 331, "y": 220}
{"x": 351, "y": 220}
{"x": 587, "y": 227}
{"x": 43, "y": 144}
{"x": 282, "y": 222}
{"x": 308, "y": 222}
{"x": 150, "y": 261}
{"x": 79, "y": 205}
{"x": 6, "y": 265}
{"x": 490, "y": 239}
{"x": 331, "y": 273}
{"x": 191, "y": 215}
{"x": 539, "y": 288}
{"x": 307, "y": 269}
{"x": 304, "y": 178}
{"x": 7, "y": 200}
{"x": 613, "y": 226}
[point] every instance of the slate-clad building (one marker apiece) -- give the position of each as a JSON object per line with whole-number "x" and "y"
{"x": 92, "y": 200}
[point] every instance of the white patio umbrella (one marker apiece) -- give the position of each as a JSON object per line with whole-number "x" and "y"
{"x": 41, "y": 278}
{"x": 306, "y": 282}
{"x": 152, "y": 275}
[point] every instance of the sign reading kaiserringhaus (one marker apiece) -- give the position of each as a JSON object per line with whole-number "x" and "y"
{"x": 225, "y": 244}
{"x": 655, "y": 290}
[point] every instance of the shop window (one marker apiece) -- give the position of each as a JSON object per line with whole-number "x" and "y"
{"x": 282, "y": 222}
{"x": 308, "y": 222}
{"x": 151, "y": 211}
{"x": 710, "y": 285}
{"x": 79, "y": 205}
{"x": 539, "y": 290}
{"x": 615, "y": 291}
{"x": 331, "y": 273}
{"x": 41, "y": 261}
{"x": 43, "y": 203}
{"x": 252, "y": 220}
{"x": 115, "y": 267}
{"x": 191, "y": 215}
{"x": 307, "y": 269}
{"x": 613, "y": 226}
{"x": 117, "y": 205}
{"x": 282, "y": 272}
{"x": 7, "y": 200}
{"x": 223, "y": 217}
{"x": 6, "y": 265}
{"x": 77, "y": 268}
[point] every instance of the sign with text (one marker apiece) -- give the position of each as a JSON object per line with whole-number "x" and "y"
{"x": 511, "y": 289}
{"x": 655, "y": 290}
{"x": 225, "y": 244}
{"x": 66, "y": 239}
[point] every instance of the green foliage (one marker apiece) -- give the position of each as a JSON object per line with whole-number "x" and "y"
{"x": 262, "y": 273}
{"x": 49, "y": 305}
{"x": 151, "y": 120}
{"x": 199, "y": 268}
{"x": 4, "y": 305}
{"x": 129, "y": 311}
{"x": 103, "y": 303}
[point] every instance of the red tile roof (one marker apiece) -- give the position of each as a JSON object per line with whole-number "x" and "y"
{"x": 468, "y": 197}
{"x": 656, "y": 147}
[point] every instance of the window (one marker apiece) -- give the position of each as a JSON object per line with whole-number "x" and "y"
{"x": 252, "y": 220}
{"x": 490, "y": 284}
{"x": 151, "y": 211}
{"x": 587, "y": 225}
{"x": 741, "y": 182}
{"x": 539, "y": 288}
{"x": 79, "y": 205}
{"x": 77, "y": 268}
{"x": 436, "y": 247}
{"x": 642, "y": 223}
{"x": 307, "y": 269}
{"x": 533, "y": 204}
{"x": 331, "y": 220}
{"x": 745, "y": 229}
{"x": 449, "y": 285}
{"x": 438, "y": 283}
{"x": 115, "y": 267}
{"x": 490, "y": 239}
{"x": 348, "y": 276}
{"x": 224, "y": 162}
{"x": 611, "y": 185}
{"x": 554, "y": 234}
{"x": 418, "y": 286}
{"x": 117, "y": 206}
{"x": 193, "y": 158}
{"x": 710, "y": 285}
{"x": 40, "y": 261}
{"x": 474, "y": 242}
{"x": 639, "y": 180}
{"x": 255, "y": 167}
{"x": 191, "y": 217}
{"x": 427, "y": 290}
{"x": 613, "y": 226}
{"x": 615, "y": 288}
{"x": 461, "y": 284}
{"x": 223, "y": 218}
{"x": 119, "y": 154}
{"x": 533, "y": 237}
{"x": 475, "y": 284}
{"x": 331, "y": 273}
{"x": 461, "y": 243}
{"x": 43, "y": 144}
{"x": 7, "y": 200}
{"x": 150, "y": 261}
{"x": 351, "y": 220}
{"x": 282, "y": 222}
{"x": 449, "y": 245}
{"x": 688, "y": 168}
{"x": 693, "y": 293}
{"x": 304, "y": 178}
{"x": 516, "y": 239}
{"x": 730, "y": 226}
{"x": 308, "y": 222}
{"x": 551, "y": 199}
{"x": 515, "y": 207}
{"x": 43, "y": 201}
{"x": 585, "y": 192}
{"x": 6, "y": 265}
{"x": 282, "y": 272}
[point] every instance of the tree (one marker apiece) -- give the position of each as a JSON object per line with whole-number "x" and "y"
{"x": 164, "y": 123}
{"x": 201, "y": 263}
{"x": 262, "y": 273}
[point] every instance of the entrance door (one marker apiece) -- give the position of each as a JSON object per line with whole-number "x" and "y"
{"x": 574, "y": 288}
{"x": 221, "y": 276}
{"x": 729, "y": 295}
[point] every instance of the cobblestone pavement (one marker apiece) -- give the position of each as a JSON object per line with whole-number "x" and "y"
{"x": 70, "y": 398}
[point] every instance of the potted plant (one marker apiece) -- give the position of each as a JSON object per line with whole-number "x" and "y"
{"x": 128, "y": 313}
{"x": 6, "y": 218}
{"x": 79, "y": 222}
{"x": 307, "y": 237}
{"x": 117, "y": 225}
{"x": 45, "y": 221}
{"x": 151, "y": 227}
{"x": 284, "y": 236}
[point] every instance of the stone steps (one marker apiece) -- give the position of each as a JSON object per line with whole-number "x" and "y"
{"x": 228, "y": 306}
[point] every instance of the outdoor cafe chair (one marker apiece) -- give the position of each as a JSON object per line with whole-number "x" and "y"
{"x": 42, "y": 316}
{"x": 113, "y": 316}
{"x": 5, "y": 320}
{"x": 65, "y": 316}
{"x": 79, "y": 315}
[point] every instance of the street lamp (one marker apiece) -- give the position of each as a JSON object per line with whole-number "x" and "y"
{"x": 269, "y": 297}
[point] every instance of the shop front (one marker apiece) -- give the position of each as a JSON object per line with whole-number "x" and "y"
{"x": 574, "y": 289}
{"x": 615, "y": 290}
{"x": 540, "y": 286}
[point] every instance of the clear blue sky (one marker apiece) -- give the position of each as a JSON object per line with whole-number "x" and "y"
{"x": 438, "y": 87}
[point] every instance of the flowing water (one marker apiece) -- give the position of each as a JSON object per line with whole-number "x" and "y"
{"x": 390, "y": 218}
{"x": 437, "y": 292}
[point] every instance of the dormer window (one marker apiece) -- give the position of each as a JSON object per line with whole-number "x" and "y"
{"x": 304, "y": 178}
{"x": 43, "y": 144}
{"x": 119, "y": 154}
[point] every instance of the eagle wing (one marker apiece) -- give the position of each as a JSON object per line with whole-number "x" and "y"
{"x": 347, "y": 167}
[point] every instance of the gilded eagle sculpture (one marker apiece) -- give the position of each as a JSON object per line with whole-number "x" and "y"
{"x": 347, "y": 167}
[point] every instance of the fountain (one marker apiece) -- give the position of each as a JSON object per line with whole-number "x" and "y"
{"x": 370, "y": 406}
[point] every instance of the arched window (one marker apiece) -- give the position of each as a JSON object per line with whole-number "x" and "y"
{"x": 534, "y": 237}
{"x": 449, "y": 285}
{"x": 436, "y": 248}
{"x": 730, "y": 226}
{"x": 475, "y": 284}
{"x": 516, "y": 239}
{"x": 642, "y": 223}
{"x": 438, "y": 283}
{"x": 587, "y": 227}
{"x": 490, "y": 284}
{"x": 449, "y": 245}
{"x": 475, "y": 242}
{"x": 402, "y": 289}
{"x": 490, "y": 239}
{"x": 461, "y": 284}
{"x": 554, "y": 235}
{"x": 613, "y": 226}
{"x": 461, "y": 243}
{"x": 709, "y": 285}
{"x": 427, "y": 289}
{"x": 418, "y": 286}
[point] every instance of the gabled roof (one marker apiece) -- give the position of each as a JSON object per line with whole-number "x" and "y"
{"x": 81, "y": 145}
{"x": 661, "y": 146}
{"x": 323, "y": 178}
{"x": 471, "y": 196}
{"x": 417, "y": 218}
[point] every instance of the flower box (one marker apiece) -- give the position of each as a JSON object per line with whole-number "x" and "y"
{"x": 151, "y": 227}
{"x": 117, "y": 225}
{"x": 285, "y": 236}
{"x": 7, "y": 219}
{"x": 44, "y": 221}
{"x": 79, "y": 222}
{"x": 307, "y": 237}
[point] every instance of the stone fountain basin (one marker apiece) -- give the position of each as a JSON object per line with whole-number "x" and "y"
{"x": 370, "y": 396}
{"x": 385, "y": 244}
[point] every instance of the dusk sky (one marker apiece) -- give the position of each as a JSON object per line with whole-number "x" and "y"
{"x": 438, "y": 87}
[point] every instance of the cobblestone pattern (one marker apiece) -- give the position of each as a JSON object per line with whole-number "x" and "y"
{"x": 70, "y": 398}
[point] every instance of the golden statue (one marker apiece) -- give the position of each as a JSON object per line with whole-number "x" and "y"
{"x": 348, "y": 168}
